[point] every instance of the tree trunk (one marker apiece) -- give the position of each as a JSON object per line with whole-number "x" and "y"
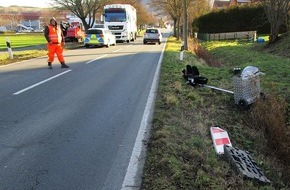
{"x": 277, "y": 12}
{"x": 185, "y": 28}
{"x": 178, "y": 29}
{"x": 175, "y": 27}
{"x": 274, "y": 33}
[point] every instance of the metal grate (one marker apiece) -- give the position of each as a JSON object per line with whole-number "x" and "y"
{"x": 247, "y": 86}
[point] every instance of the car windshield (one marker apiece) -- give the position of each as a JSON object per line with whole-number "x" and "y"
{"x": 154, "y": 31}
{"x": 94, "y": 32}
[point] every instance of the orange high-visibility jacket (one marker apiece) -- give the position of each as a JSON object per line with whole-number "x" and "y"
{"x": 54, "y": 35}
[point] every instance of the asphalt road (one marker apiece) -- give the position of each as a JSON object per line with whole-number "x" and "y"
{"x": 75, "y": 129}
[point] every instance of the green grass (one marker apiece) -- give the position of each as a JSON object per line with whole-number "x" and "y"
{"x": 235, "y": 54}
{"x": 180, "y": 151}
{"x": 22, "y": 40}
{"x": 21, "y": 55}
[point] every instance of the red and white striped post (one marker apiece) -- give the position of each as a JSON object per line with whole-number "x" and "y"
{"x": 220, "y": 138}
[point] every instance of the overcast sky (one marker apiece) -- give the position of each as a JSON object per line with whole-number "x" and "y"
{"x": 30, "y": 3}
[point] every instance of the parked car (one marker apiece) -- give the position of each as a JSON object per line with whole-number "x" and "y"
{"x": 152, "y": 35}
{"x": 99, "y": 37}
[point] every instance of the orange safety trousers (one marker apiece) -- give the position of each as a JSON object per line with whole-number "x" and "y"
{"x": 55, "y": 49}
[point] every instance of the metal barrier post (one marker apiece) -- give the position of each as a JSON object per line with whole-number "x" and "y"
{"x": 9, "y": 48}
{"x": 181, "y": 51}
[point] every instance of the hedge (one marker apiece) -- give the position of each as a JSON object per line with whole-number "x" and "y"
{"x": 238, "y": 18}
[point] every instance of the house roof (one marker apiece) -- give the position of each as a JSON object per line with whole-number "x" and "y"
{"x": 30, "y": 15}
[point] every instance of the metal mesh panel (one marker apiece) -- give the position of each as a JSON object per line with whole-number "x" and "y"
{"x": 246, "y": 88}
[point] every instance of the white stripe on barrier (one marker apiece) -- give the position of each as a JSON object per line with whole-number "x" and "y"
{"x": 220, "y": 138}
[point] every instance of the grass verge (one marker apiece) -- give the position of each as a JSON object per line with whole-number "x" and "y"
{"x": 20, "y": 56}
{"x": 180, "y": 151}
{"x": 20, "y": 40}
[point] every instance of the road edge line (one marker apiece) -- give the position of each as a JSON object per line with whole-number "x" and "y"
{"x": 130, "y": 179}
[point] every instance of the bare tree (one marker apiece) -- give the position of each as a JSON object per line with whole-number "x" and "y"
{"x": 46, "y": 15}
{"x": 196, "y": 8}
{"x": 277, "y": 13}
{"x": 3, "y": 20}
{"x": 144, "y": 17}
{"x": 86, "y": 10}
{"x": 185, "y": 25}
{"x": 10, "y": 17}
{"x": 173, "y": 8}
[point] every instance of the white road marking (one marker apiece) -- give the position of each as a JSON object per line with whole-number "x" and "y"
{"x": 37, "y": 84}
{"x": 129, "y": 182}
{"x": 96, "y": 59}
{"x": 117, "y": 50}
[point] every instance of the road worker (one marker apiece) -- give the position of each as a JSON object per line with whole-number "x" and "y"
{"x": 55, "y": 43}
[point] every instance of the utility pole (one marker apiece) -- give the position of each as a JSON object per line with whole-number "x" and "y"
{"x": 185, "y": 27}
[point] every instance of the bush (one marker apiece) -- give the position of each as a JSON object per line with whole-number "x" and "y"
{"x": 202, "y": 53}
{"x": 271, "y": 115}
{"x": 7, "y": 32}
{"x": 245, "y": 18}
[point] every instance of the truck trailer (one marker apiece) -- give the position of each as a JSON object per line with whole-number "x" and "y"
{"x": 121, "y": 20}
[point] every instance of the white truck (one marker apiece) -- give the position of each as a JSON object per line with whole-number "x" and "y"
{"x": 121, "y": 20}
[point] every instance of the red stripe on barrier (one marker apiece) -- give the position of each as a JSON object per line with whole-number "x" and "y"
{"x": 222, "y": 141}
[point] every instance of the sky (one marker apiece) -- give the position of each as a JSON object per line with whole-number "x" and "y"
{"x": 30, "y": 3}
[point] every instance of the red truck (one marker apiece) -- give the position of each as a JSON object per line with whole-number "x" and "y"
{"x": 73, "y": 32}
